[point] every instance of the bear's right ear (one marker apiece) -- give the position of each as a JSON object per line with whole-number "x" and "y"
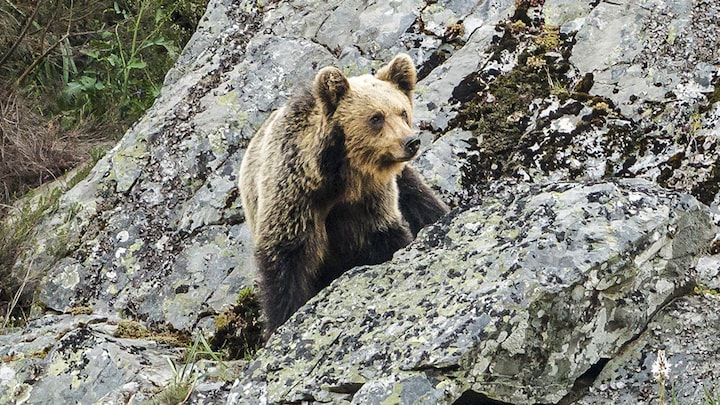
{"x": 330, "y": 86}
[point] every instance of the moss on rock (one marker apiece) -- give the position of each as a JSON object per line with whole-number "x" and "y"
{"x": 239, "y": 329}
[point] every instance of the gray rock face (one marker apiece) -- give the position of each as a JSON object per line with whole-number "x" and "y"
{"x": 686, "y": 330}
{"x": 550, "y": 275}
{"x": 156, "y": 231}
{"x": 61, "y": 359}
{"x": 514, "y": 299}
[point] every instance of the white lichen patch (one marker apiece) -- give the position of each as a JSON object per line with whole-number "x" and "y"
{"x": 69, "y": 278}
{"x": 123, "y": 236}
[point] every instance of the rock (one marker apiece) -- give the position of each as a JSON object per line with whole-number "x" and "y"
{"x": 55, "y": 357}
{"x": 514, "y": 299}
{"x": 555, "y": 278}
{"x": 686, "y": 331}
{"x": 657, "y": 70}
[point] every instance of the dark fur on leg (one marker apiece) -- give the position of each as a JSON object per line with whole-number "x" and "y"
{"x": 286, "y": 284}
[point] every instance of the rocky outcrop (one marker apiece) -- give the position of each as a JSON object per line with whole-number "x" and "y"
{"x": 512, "y": 300}
{"x": 555, "y": 279}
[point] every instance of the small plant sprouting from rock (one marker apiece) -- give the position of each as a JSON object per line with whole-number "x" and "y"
{"x": 661, "y": 372}
{"x": 238, "y": 329}
{"x": 186, "y": 375}
{"x": 496, "y": 108}
{"x": 711, "y": 398}
{"x": 515, "y": 104}
{"x": 18, "y": 229}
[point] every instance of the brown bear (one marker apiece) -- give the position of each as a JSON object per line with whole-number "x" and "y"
{"x": 325, "y": 184}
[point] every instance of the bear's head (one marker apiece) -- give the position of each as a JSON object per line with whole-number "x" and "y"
{"x": 374, "y": 113}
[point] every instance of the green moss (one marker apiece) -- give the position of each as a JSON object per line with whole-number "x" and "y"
{"x": 499, "y": 117}
{"x": 714, "y": 97}
{"x": 701, "y": 289}
{"x": 498, "y": 112}
{"x": 42, "y": 353}
{"x": 496, "y": 109}
{"x": 238, "y": 329}
{"x": 81, "y": 310}
{"x": 176, "y": 339}
{"x": 127, "y": 328}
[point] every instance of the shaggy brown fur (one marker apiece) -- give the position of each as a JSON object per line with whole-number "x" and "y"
{"x": 319, "y": 184}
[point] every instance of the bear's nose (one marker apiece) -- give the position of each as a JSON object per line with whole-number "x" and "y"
{"x": 412, "y": 144}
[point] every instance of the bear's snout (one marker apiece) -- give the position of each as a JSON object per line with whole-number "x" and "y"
{"x": 412, "y": 145}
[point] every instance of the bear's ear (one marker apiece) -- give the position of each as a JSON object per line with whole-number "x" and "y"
{"x": 330, "y": 86}
{"x": 401, "y": 72}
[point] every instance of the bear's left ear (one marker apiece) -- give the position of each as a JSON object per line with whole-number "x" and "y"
{"x": 330, "y": 86}
{"x": 401, "y": 72}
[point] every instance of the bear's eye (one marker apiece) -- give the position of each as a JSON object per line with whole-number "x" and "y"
{"x": 377, "y": 120}
{"x": 405, "y": 117}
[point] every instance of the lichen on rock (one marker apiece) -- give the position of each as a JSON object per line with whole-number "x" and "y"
{"x": 518, "y": 324}
{"x": 577, "y": 143}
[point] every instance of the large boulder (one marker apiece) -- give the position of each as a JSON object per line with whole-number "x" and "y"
{"x": 553, "y": 280}
{"x": 514, "y": 299}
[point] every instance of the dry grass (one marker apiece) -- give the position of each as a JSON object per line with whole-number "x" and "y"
{"x": 33, "y": 149}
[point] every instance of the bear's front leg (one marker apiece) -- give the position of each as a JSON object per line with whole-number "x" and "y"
{"x": 355, "y": 244}
{"x": 288, "y": 267}
{"x": 383, "y": 243}
{"x": 418, "y": 203}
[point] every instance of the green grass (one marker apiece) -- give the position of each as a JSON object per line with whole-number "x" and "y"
{"x": 124, "y": 64}
{"x": 186, "y": 375}
{"x": 15, "y": 233}
{"x": 74, "y": 75}
{"x": 712, "y": 397}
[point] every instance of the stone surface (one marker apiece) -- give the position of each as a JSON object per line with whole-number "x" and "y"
{"x": 76, "y": 359}
{"x": 515, "y": 299}
{"x": 529, "y": 112}
{"x": 686, "y": 330}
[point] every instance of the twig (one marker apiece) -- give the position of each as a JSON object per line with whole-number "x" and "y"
{"x": 37, "y": 60}
{"x": 16, "y": 298}
{"x": 22, "y": 33}
{"x": 47, "y": 27}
